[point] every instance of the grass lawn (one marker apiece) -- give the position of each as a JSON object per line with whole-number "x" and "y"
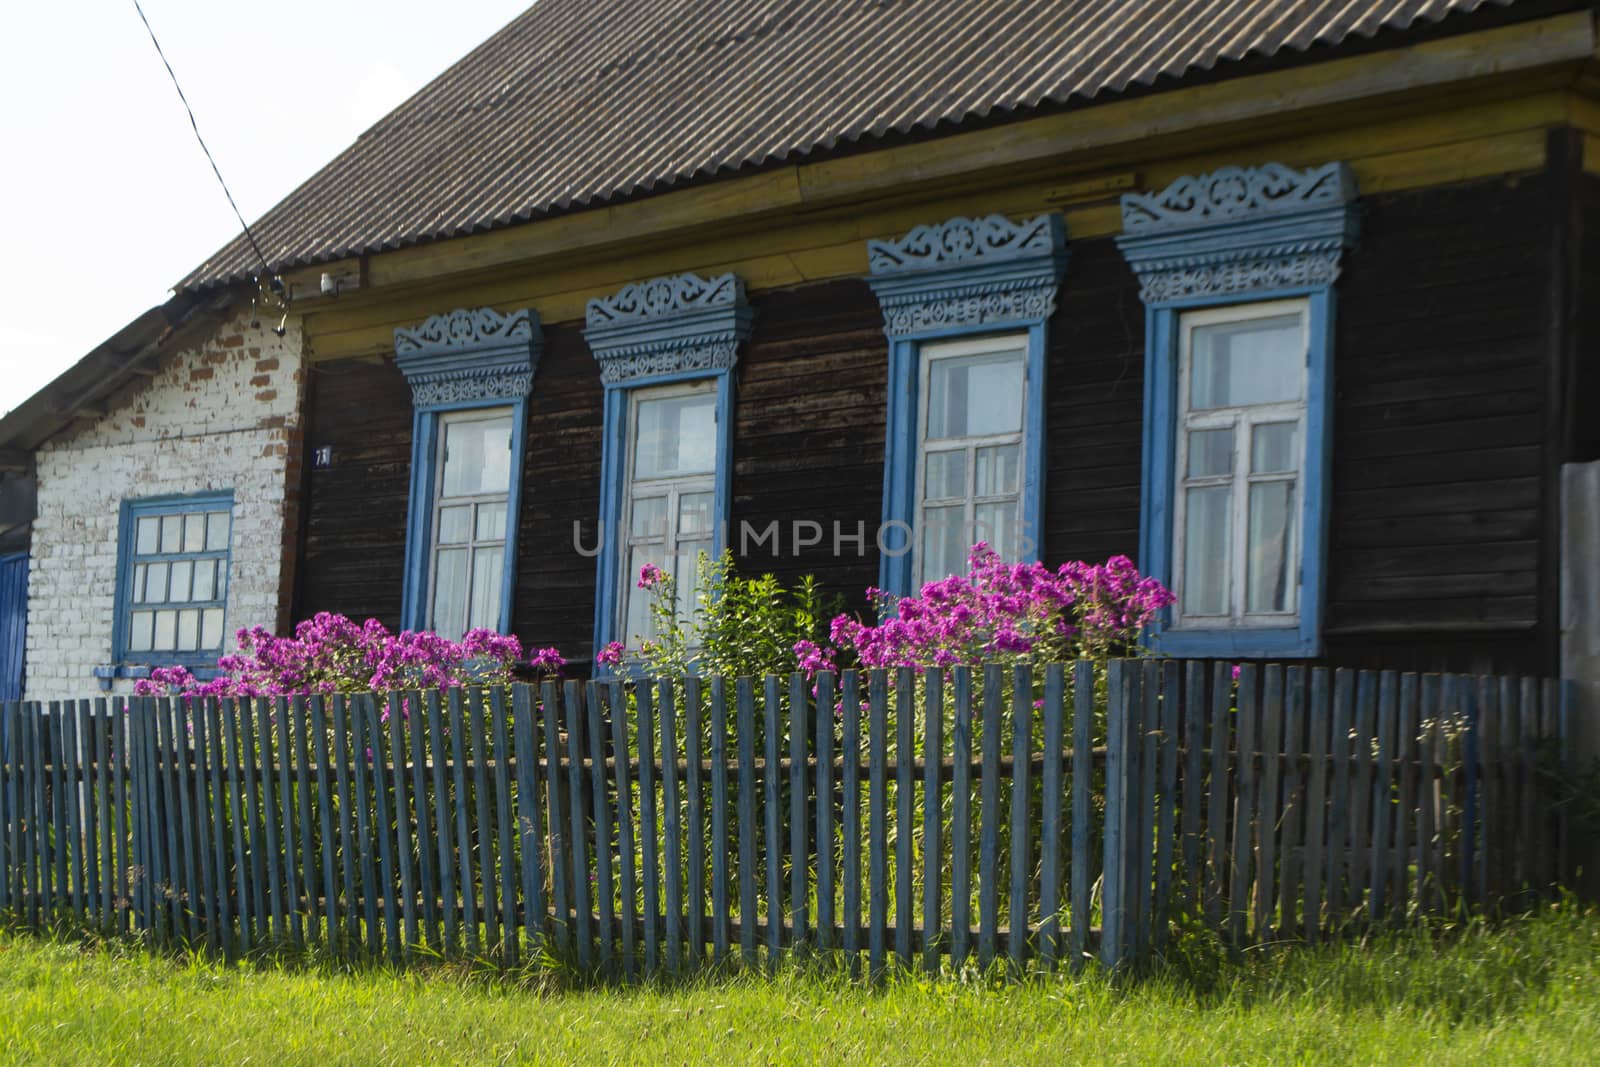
{"x": 1527, "y": 991}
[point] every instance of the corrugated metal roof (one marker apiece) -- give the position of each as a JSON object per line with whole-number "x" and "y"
{"x": 578, "y": 102}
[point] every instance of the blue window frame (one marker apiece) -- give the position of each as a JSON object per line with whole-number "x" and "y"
{"x": 173, "y": 561}
{"x": 670, "y": 340}
{"x": 471, "y": 373}
{"x": 992, "y": 284}
{"x": 1236, "y": 270}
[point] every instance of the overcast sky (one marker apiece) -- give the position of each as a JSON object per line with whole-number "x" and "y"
{"x": 108, "y": 199}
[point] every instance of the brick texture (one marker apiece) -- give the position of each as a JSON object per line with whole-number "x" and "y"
{"x": 219, "y": 416}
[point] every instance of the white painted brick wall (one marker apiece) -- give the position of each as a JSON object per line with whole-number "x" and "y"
{"x": 223, "y": 415}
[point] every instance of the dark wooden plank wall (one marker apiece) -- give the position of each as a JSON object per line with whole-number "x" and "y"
{"x": 809, "y": 433}
{"x": 1436, "y": 545}
{"x": 353, "y": 538}
{"x": 560, "y": 483}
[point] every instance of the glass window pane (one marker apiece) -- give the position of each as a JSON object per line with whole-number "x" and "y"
{"x": 217, "y": 523}
{"x": 477, "y": 456}
{"x": 138, "y": 583}
{"x": 211, "y": 628}
{"x": 450, "y": 592}
{"x": 188, "y": 630}
{"x": 945, "y": 476}
{"x": 1274, "y": 447}
{"x": 997, "y": 524}
{"x": 491, "y": 522}
{"x": 694, "y": 515}
{"x": 205, "y": 580}
{"x": 222, "y": 581}
{"x": 1257, "y": 361}
{"x": 1269, "y": 580}
{"x": 999, "y": 470}
{"x": 155, "y": 583}
{"x": 974, "y": 396}
{"x": 172, "y": 533}
{"x": 649, "y": 518}
{"x": 194, "y": 532}
{"x": 455, "y": 525}
{"x": 166, "y": 638}
{"x": 487, "y": 564}
{"x": 141, "y": 632}
{"x": 675, "y": 435}
{"x": 688, "y": 575}
{"x": 1205, "y": 551}
{"x": 147, "y": 538}
{"x": 182, "y": 573}
{"x": 638, "y": 622}
{"x": 1210, "y": 452}
{"x": 944, "y": 542}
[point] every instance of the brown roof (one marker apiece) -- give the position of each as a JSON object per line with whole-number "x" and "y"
{"x": 578, "y": 102}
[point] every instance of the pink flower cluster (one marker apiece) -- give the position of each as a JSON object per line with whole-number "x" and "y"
{"x": 1000, "y": 609}
{"x": 333, "y": 654}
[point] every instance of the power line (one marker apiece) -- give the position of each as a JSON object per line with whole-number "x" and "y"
{"x": 265, "y": 267}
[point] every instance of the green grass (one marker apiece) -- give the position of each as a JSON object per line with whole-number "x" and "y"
{"x": 1527, "y": 991}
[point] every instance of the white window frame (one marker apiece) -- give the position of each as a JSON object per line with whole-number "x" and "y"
{"x": 930, "y": 352}
{"x": 1242, "y": 419}
{"x": 671, "y": 488}
{"x": 473, "y": 543}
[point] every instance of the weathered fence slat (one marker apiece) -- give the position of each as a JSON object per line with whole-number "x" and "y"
{"x": 877, "y": 821}
{"x": 648, "y": 838}
{"x": 850, "y": 815}
{"x": 399, "y": 712}
{"x": 1268, "y": 826}
{"x": 308, "y": 850}
{"x": 426, "y": 827}
{"x": 1405, "y": 752}
{"x": 720, "y": 915}
{"x": 629, "y": 911}
{"x": 932, "y": 817}
{"x": 1167, "y": 813}
{"x": 673, "y": 826}
{"x": 1082, "y": 796}
{"x": 989, "y": 817}
{"x": 1317, "y": 715}
{"x": 826, "y": 859}
{"x": 772, "y": 785}
{"x": 605, "y": 923}
{"x": 960, "y": 819}
{"x": 904, "y": 794}
{"x": 1217, "y": 794}
{"x": 1294, "y": 802}
{"x": 799, "y": 825}
{"x": 1021, "y": 802}
{"x": 694, "y": 790}
{"x": 745, "y": 698}
{"x": 577, "y": 845}
{"x": 330, "y": 885}
{"x": 444, "y": 827}
{"x": 1053, "y": 798}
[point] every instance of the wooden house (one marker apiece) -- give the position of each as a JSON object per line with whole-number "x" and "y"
{"x": 1290, "y": 302}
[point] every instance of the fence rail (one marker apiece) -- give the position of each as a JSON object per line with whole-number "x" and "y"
{"x": 911, "y": 818}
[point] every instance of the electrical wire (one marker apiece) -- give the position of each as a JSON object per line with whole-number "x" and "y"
{"x": 265, "y": 267}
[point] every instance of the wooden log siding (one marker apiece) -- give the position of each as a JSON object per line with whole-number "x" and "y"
{"x": 1437, "y": 548}
{"x": 556, "y": 812}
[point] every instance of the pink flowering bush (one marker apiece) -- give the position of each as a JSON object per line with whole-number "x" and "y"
{"x": 333, "y": 654}
{"x": 1008, "y": 612}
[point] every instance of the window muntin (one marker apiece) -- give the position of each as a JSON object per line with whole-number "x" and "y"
{"x": 1240, "y": 464}
{"x": 970, "y": 451}
{"x": 175, "y": 590}
{"x": 469, "y": 523}
{"x": 669, "y": 496}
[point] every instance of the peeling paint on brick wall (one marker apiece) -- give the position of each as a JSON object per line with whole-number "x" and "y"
{"x": 223, "y": 415}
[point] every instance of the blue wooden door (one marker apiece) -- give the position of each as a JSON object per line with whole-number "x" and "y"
{"x": 13, "y": 623}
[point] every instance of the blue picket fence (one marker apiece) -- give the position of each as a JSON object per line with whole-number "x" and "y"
{"x": 937, "y": 819}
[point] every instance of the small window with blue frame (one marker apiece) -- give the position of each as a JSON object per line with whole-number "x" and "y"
{"x": 173, "y": 574}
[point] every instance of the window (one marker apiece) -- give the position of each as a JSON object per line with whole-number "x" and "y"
{"x": 172, "y": 581}
{"x": 1240, "y": 462}
{"x": 1236, "y": 271}
{"x": 470, "y": 519}
{"x": 471, "y": 373}
{"x": 965, "y": 303}
{"x": 667, "y": 348}
{"x": 672, "y": 463}
{"x": 971, "y": 451}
